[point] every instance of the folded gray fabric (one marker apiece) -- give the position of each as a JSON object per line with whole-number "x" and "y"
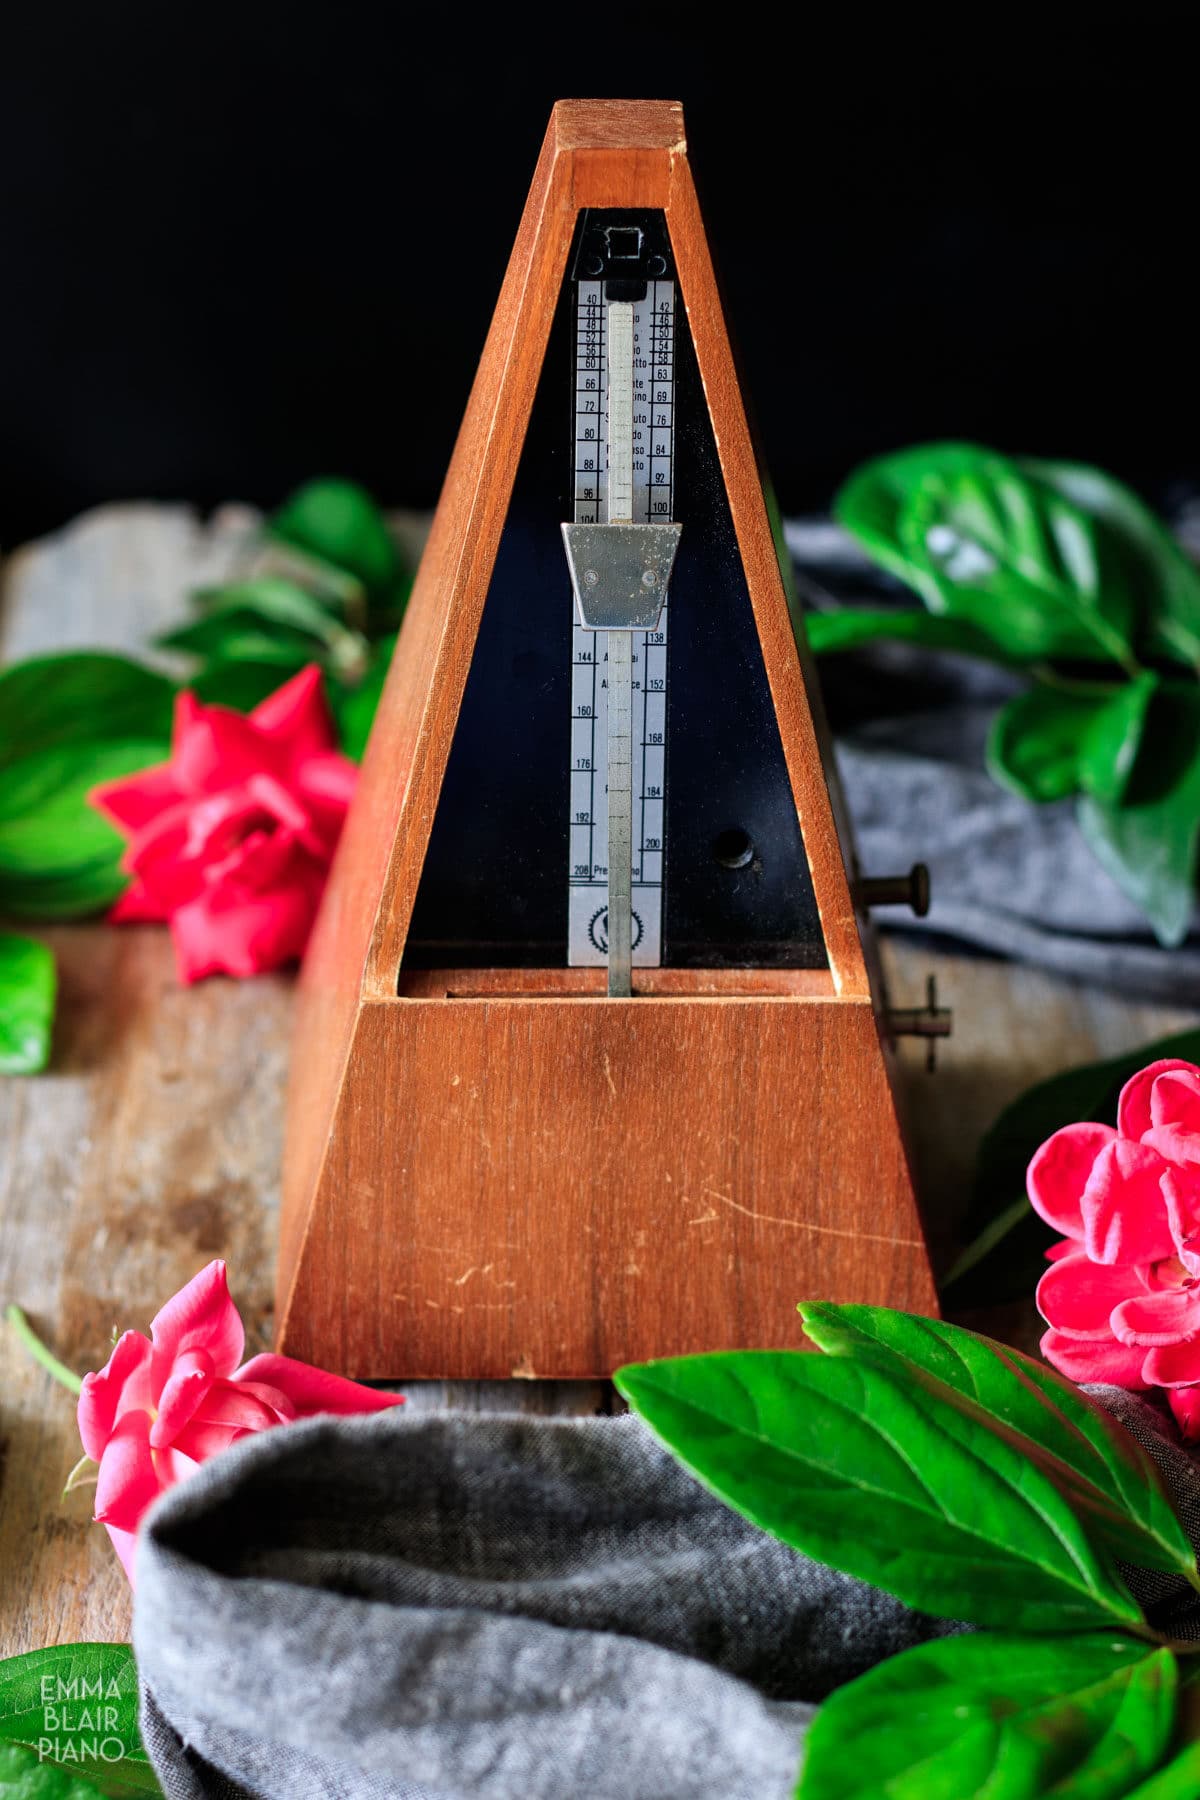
{"x": 391, "y": 1608}
{"x": 525, "y": 1609}
{"x": 1009, "y": 876}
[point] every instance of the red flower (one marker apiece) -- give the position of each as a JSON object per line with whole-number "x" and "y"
{"x": 1122, "y": 1297}
{"x": 162, "y": 1405}
{"x": 232, "y": 839}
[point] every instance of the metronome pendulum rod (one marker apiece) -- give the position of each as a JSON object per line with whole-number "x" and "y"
{"x": 620, "y": 572}
{"x": 620, "y": 660}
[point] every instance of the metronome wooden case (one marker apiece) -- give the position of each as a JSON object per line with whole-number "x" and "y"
{"x": 492, "y": 1168}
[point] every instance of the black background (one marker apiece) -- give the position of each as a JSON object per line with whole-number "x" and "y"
{"x": 246, "y": 245}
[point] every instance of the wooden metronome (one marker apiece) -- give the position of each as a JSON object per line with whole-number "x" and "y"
{"x": 521, "y": 1142}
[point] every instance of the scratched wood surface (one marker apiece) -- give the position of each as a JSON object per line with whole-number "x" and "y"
{"x": 154, "y": 1141}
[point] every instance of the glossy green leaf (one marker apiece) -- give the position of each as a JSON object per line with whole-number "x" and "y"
{"x": 1166, "y": 579}
{"x": 28, "y": 984}
{"x": 840, "y": 1459}
{"x": 1036, "y": 738}
{"x": 76, "y": 895}
{"x": 1178, "y": 1779}
{"x": 75, "y": 1708}
{"x": 354, "y": 708}
{"x": 1008, "y": 1242}
{"x": 1112, "y": 1485}
{"x": 47, "y": 827}
{"x": 244, "y": 684}
{"x": 1012, "y": 1718}
{"x": 1149, "y": 842}
{"x": 981, "y": 541}
{"x": 79, "y": 697}
{"x": 1113, "y": 740}
{"x": 852, "y": 626}
{"x": 339, "y": 522}
{"x": 241, "y": 637}
{"x": 244, "y": 619}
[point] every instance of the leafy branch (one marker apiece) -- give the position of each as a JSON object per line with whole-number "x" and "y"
{"x": 972, "y": 1482}
{"x": 1058, "y": 570}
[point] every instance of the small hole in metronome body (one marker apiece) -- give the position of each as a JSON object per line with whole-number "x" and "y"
{"x": 733, "y": 849}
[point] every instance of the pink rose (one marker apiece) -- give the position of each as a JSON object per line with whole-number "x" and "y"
{"x": 162, "y": 1405}
{"x": 1122, "y": 1295}
{"x": 232, "y": 839}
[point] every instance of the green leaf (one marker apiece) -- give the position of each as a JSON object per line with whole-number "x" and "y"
{"x": 1035, "y": 740}
{"x": 76, "y": 895}
{"x": 852, "y": 626}
{"x": 1148, "y": 842}
{"x": 75, "y": 1708}
{"x": 1166, "y": 578}
{"x": 1177, "y": 1780}
{"x": 47, "y": 827}
{"x": 840, "y": 1459}
{"x": 242, "y": 685}
{"x": 1112, "y": 742}
{"x": 354, "y": 708}
{"x": 240, "y": 637}
{"x": 981, "y": 541}
{"x": 73, "y": 697}
{"x": 28, "y": 984}
{"x": 245, "y": 619}
{"x": 1012, "y": 1718}
{"x": 1007, "y": 1252}
{"x": 339, "y": 522}
{"x": 1112, "y": 1485}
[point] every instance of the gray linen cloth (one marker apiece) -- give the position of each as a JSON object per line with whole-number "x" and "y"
{"x": 1008, "y": 876}
{"x": 392, "y": 1608}
{"x": 444, "y": 1605}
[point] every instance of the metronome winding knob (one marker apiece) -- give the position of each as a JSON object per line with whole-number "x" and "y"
{"x": 896, "y": 890}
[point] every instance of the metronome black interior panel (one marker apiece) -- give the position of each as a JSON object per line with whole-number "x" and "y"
{"x": 515, "y": 871}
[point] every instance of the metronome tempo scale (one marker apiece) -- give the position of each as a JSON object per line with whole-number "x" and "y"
{"x": 588, "y": 1065}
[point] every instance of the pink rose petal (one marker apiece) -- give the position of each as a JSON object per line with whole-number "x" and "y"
{"x": 1181, "y": 1196}
{"x": 1134, "y": 1109}
{"x": 1185, "y": 1404}
{"x": 220, "y": 749}
{"x": 124, "y": 1543}
{"x": 296, "y": 718}
{"x": 1059, "y": 1174}
{"x": 134, "y": 800}
{"x": 137, "y": 906}
{"x": 1124, "y": 1211}
{"x": 1175, "y": 1100}
{"x": 1079, "y": 1296}
{"x": 128, "y": 1480}
{"x": 1162, "y": 1318}
{"x": 246, "y": 937}
{"x": 1175, "y": 1144}
{"x": 1173, "y": 1365}
{"x": 1087, "y": 1360}
{"x": 201, "y": 1316}
{"x": 237, "y": 1405}
{"x": 312, "y": 1390}
{"x": 122, "y": 1385}
{"x": 183, "y": 1393}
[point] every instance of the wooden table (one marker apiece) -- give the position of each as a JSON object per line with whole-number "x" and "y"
{"x": 153, "y": 1143}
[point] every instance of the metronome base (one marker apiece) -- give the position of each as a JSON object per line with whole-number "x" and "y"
{"x": 551, "y": 1187}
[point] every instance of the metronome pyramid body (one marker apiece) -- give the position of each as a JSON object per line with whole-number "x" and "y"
{"x": 499, "y": 1161}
